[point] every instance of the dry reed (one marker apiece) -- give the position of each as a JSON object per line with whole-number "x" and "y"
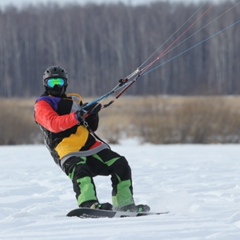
{"x": 158, "y": 120}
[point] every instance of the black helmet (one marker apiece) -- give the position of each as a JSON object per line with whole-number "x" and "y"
{"x": 55, "y": 72}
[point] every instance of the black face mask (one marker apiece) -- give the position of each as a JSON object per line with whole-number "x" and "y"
{"x": 56, "y": 91}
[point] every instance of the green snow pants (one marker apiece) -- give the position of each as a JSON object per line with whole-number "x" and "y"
{"x": 81, "y": 171}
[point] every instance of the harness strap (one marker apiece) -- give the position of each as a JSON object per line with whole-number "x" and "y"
{"x": 93, "y": 133}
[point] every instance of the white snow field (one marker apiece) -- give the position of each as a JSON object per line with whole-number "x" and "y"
{"x": 198, "y": 184}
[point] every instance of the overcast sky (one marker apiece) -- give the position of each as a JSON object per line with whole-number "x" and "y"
{"x": 20, "y": 3}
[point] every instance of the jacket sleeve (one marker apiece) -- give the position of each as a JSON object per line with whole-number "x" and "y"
{"x": 49, "y": 119}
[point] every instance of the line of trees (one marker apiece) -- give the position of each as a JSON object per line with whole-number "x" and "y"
{"x": 100, "y": 43}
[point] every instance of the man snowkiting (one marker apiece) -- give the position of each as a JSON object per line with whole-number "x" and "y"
{"x": 69, "y": 134}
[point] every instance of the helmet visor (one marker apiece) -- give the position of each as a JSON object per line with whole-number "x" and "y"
{"x": 52, "y": 82}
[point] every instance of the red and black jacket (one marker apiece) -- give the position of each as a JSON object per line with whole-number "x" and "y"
{"x": 63, "y": 135}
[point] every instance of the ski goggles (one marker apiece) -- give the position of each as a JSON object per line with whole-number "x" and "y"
{"x": 52, "y": 82}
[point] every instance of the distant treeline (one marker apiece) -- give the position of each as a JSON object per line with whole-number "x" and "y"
{"x": 100, "y": 43}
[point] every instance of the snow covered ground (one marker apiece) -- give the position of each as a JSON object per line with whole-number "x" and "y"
{"x": 199, "y": 184}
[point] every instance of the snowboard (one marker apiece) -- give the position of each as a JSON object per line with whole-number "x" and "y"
{"x": 99, "y": 213}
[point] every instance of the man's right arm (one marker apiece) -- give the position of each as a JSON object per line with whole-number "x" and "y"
{"x": 49, "y": 119}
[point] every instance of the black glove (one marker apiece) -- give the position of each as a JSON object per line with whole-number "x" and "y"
{"x": 92, "y": 119}
{"x": 80, "y": 115}
{"x": 83, "y": 112}
{"x": 94, "y": 108}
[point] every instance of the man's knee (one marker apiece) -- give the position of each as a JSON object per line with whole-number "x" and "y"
{"x": 122, "y": 169}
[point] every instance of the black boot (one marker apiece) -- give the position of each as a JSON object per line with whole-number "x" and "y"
{"x": 135, "y": 208}
{"x": 103, "y": 206}
{"x": 96, "y": 205}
